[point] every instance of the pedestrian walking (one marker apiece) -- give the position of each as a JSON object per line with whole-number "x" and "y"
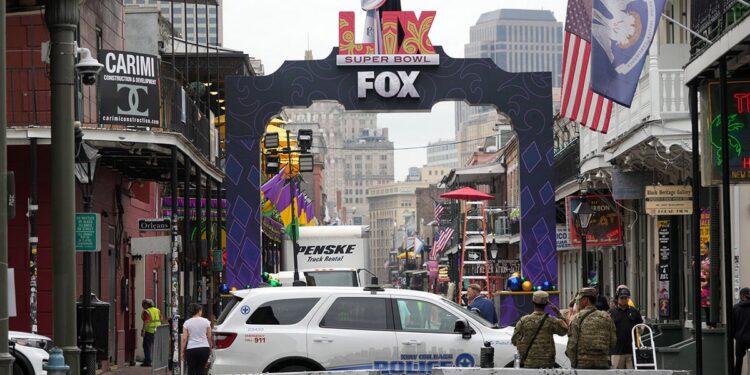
{"x": 592, "y": 334}
{"x": 476, "y": 301}
{"x": 741, "y": 312}
{"x": 533, "y": 335}
{"x": 625, "y": 318}
{"x": 197, "y": 341}
{"x": 151, "y": 317}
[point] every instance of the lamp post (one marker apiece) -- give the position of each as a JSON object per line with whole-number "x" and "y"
{"x": 306, "y": 164}
{"x": 85, "y": 168}
{"x": 582, "y": 214}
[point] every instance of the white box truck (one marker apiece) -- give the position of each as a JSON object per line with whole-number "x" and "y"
{"x": 336, "y": 255}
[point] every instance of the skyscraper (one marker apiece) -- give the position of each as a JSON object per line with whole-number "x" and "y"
{"x": 517, "y": 40}
{"x": 190, "y": 18}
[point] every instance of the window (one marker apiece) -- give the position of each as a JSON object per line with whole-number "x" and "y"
{"x": 421, "y": 316}
{"x": 282, "y": 312}
{"x": 358, "y": 313}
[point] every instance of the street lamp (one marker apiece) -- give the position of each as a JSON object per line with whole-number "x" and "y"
{"x": 85, "y": 168}
{"x": 582, "y": 215}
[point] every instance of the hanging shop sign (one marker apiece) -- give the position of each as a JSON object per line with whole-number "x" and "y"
{"x": 739, "y": 132}
{"x": 415, "y": 48}
{"x": 629, "y": 185}
{"x": 563, "y": 238}
{"x": 669, "y": 200}
{"x": 705, "y": 230}
{"x": 605, "y": 228}
{"x": 664, "y": 229}
{"x": 129, "y": 89}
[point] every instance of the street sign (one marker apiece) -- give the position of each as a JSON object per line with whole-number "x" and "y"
{"x": 88, "y": 232}
{"x": 150, "y": 245}
{"x": 163, "y": 224}
{"x": 669, "y": 200}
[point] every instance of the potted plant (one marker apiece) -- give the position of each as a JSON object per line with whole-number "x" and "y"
{"x": 514, "y": 217}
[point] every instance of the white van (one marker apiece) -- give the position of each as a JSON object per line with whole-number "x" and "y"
{"x": 322, "y": 277}
{"x": 328, "y": 328}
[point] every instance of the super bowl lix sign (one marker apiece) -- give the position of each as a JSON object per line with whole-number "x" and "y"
{"x": 415, "y": 49}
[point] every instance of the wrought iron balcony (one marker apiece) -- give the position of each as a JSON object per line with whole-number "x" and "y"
{"x": 712, "y": 19}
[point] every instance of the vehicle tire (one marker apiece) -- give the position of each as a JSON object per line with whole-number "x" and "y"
{"x": 294, "y": 368}
{"x": 18, "y": 369}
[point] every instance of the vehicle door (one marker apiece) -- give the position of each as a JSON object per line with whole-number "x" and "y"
{"x": 353, "y": 332}
{"x": 266, "y": 333}
{"x": 426, "y": 338}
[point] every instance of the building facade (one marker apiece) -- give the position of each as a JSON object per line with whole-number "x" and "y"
{"x": 190, "y": 19}
{"x": 442, "y": 153}
{"x": 392, "y": 207}
{"x": 359, "y": 156}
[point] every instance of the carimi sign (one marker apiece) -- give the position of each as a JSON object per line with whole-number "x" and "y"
{"x": 129, "y": 87}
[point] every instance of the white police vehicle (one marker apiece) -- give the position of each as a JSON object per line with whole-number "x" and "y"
{"x": 333, "y": 328}
{"x": 30, "y": 352}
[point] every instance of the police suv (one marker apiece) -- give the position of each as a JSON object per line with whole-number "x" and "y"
{"x": 336, "y": 328}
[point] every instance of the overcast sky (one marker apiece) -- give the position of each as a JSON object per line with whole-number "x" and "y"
{"x": 279, "y": 30}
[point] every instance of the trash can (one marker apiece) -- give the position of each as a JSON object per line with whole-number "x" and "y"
{"x": 99, "y": 324}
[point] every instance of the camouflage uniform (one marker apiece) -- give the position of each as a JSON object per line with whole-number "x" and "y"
{"x": 590, "y": 343}
{"x": 542, "y": 352}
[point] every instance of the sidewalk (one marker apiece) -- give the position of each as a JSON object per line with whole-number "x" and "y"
{"x": 134, "y": 370}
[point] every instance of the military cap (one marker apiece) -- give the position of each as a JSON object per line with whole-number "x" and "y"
{"x": 590, "y": 292}
{"x": 540, "y": 297}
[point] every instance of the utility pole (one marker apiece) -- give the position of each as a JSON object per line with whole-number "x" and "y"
{"x": 6, "y": 360}
{"x": 61, "y": 17}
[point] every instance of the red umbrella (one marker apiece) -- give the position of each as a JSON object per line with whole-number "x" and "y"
{"x": 467, "y": 194}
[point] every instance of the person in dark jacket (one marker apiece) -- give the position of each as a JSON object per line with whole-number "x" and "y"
{"x": 476, "y": 301}
{"x": 601, "y": 301}
{"x": 625, "y": 318}
{"x": 741, "y": 312}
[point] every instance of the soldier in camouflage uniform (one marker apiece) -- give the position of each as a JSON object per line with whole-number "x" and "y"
{"x": 539, "y": 353}
{"x": 592, "y": 334}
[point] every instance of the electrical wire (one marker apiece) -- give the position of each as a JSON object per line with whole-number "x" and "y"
{"x": 405, "y": 148}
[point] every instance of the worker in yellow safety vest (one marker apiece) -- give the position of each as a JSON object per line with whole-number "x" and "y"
{"x": 151, "y": 319}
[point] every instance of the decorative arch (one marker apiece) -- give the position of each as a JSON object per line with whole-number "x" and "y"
{"x": 525, "y": 97}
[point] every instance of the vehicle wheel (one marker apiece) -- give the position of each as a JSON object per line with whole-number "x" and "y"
{"x": 17, "y": 369}
{"x": 294, "y": 368}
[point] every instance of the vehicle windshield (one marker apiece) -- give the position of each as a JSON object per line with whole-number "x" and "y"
{"x": 469, "y": 315}
{"x": 331, "y": 278}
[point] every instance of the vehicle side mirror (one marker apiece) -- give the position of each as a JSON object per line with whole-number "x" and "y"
{"x": 463, "y": 327}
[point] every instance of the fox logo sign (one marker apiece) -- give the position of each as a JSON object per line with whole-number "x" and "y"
{"x": 388, "y": 84}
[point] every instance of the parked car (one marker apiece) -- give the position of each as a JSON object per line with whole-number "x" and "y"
{"x": 336, "y": 328}
{"x": 31, "y": 352}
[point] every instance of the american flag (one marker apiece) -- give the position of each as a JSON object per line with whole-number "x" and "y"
{"x": 438, "y": 211}
{"x": 443, "y": 240}
{"x": 579, "y": 102}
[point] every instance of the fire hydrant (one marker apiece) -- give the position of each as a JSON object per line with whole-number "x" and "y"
{"x": 56, "y": 364}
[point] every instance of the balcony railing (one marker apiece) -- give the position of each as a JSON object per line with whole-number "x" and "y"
{"x": 667, "y": 102}
{"x": 712, "y": 19}
{"x": 497, "y": 220}
{"x": 29, "y": 104}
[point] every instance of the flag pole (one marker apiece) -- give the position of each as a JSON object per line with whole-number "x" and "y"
{"x": 701, "y": 37}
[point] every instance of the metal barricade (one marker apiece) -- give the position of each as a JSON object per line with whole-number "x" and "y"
{"x": 160, "y": 355}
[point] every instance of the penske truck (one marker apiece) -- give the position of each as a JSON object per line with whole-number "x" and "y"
{"x": 337, "y": 255}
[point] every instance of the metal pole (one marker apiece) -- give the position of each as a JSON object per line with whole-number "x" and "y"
{"x": 62, "y": 17}
{"x": 174, "y": 292}
{"x": 186, "y": 235}
{"x": 33, "y": 239}
{"x": 198, "y": 265}
{"x": 725, "y": 210}
{"x": 295, "y": 245}
{"x": 6, "y": 360}
{"x": 584, "y": 253}
{"x": 697, "y": 324}
{"x": 209, "y": 244}
{"x": 88, "y": 353}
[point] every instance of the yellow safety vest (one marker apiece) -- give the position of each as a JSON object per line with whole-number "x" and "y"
{"x": 155, "y": 321}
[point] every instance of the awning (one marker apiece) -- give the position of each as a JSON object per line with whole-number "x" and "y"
{"x": 482, "y": 174}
